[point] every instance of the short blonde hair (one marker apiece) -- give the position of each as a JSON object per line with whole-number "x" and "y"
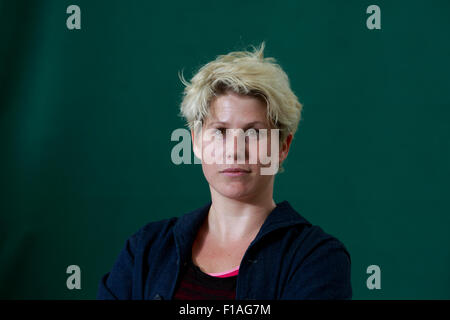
{"x": 247, "y": 73}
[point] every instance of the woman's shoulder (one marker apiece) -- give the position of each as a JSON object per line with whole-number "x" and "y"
{"x": 312, "y": 240}
{"x": 319, "y": 264}
{"x": 154, "y": 230}
{"x": 308, "y": 237}
{"x": 162, "y": 230}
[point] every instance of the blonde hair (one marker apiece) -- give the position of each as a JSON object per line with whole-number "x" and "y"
{"x": 247, "y": 73}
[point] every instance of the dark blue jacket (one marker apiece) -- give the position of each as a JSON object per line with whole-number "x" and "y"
{"x": 288, "y": 259}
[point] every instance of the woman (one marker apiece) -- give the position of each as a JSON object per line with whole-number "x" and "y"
{"x": 240, "y": 245}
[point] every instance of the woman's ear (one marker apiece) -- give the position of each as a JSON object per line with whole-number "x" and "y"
{"x": 196, "y": 144}
{"x": 284, "y": 150}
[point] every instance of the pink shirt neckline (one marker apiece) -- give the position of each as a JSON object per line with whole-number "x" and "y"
{"x": 225, "y": 274}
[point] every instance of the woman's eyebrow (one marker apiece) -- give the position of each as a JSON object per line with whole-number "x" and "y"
{"x": 246, "y": 125}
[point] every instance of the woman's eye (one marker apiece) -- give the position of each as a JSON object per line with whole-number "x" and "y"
{"x": 251, "y": 133}
{"x": 219, "y": 131}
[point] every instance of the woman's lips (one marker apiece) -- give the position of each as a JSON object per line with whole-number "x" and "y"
{"x": 235, "y": 172}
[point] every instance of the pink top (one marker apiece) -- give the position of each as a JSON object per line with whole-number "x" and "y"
{"x": 225, "y": 274}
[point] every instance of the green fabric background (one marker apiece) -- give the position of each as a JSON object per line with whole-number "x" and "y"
{"x": 86, "y": 117}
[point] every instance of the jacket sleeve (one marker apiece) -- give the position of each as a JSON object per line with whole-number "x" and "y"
{"x": 325, "y": 274}
{"x": 118, "y": 283}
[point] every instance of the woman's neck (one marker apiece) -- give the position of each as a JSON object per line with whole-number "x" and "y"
{"x": 231, "y": 220}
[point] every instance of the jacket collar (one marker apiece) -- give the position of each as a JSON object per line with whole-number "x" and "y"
{"x": 186, "y": 226}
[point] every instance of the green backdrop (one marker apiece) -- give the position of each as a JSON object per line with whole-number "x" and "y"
{"x": 86, "y": 117}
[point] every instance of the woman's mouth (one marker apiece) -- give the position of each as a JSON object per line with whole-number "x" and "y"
{"x": 235, "y": 172}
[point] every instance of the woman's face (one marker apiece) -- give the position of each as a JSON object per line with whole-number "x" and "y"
{"x": 234, "y": 169}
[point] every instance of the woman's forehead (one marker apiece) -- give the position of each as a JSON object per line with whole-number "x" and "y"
{"x": 233, "y": 109}
{"x": 237, "y": 120}
{"x": 236, "y": 100}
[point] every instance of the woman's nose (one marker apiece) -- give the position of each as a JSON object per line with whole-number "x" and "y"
{"x": 235, "y": 146}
